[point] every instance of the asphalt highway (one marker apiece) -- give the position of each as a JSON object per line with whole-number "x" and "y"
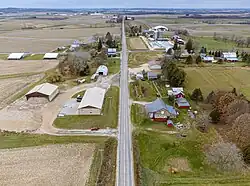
{"x": 125, "y": 165}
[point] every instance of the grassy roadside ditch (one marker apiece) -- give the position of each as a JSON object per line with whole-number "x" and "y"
{"x": 103, "y": 168}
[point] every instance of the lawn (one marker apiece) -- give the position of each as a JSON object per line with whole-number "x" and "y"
{"x": 81, "y": 93}
{"x": 159, "y": 152}
{"x": 113, "y": 65}
{"x": 142, "y": 91}
{"x": 14, "y": 140}
{"x": 136, "y": 43}
{"x": 108, "y": 119}
{"x": 214, "y": 45}
{"x": 34, "y": 57}
{"x": 218, "y": 78}
{"x": 139, "y": 58}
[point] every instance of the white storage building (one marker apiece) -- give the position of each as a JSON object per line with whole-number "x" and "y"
{"x": 46, "y": 90}
{"x": 92, "y": 101}
{"x": 102, "y": 70}
{"x": 16, "y": 56}
{"x": 50, "y": 56}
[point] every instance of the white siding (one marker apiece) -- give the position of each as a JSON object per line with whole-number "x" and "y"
{"x": 89, "y": 111}
{"x": 155, "y": 67}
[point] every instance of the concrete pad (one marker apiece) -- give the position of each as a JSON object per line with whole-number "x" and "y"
{"x": 69, "y": 108}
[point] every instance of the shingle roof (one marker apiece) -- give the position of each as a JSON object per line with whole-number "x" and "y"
{"x": 182, "y": 102}
{"x": 154, "y": 62}
{"x": 45, "y": 88}
{"x": 159, "y": 104}
{"x": 93, "y": 97}
{"x": 152, "y": 74}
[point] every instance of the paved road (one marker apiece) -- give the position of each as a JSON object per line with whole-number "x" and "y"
{"x": 125, "y": 167}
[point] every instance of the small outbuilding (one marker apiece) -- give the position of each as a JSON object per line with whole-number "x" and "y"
{"x": 152, "y": 75}
{"x": 111, "y": 52}
{"x": 208, "y": 59}
{"x": 92, "y": 101}
{"x": 102, "y": 70}
{"x": 16, "y": 56}
{"x": 159, "y": 111}
{"x": 50, "y": 56}
{"x": 154, "y": 65}
{"x": 229, "y": 56}
{"x": 46, "y": 90}
{"x": 182, "y": 103}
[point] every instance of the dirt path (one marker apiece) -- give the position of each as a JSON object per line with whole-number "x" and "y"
{"x": 57, "y": 165}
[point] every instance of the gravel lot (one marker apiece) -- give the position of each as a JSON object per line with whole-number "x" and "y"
{"x": 9, "y": 87}
{"x": 25, "y": 66}
{"x": 52, "y": 165}
{"x": 22, "y": 114}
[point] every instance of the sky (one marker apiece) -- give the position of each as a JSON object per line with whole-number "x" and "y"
{"x": 125, "y": 3}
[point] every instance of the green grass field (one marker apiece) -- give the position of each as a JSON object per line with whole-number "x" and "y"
{"x": 218, "y": 78}
{"x": 81, "y": 93}
{"x": 136, "y": 43}
{"x": 214, "y": 45}
{"x": 144, "y": 91}
{"x": 139, "y": 58}
{"x": 113, "y": 65}
{"x": 4, "y": 56}
{"x": 13, "y": 140}
{"x": 108, "y": 119}
{"x": 159, "y": 152}
{"x": 34, "y": 57}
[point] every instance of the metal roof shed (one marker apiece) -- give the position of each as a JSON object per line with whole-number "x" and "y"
{"x": 92, "y": 101}
{"x": 50, "y": 56}
{"x": 47, "y": 90}
{"x": 16, "y": 56}
{"x": 102, "y": 70}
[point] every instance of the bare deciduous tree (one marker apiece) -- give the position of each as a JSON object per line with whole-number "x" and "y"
{"x": 225, "y": 157}
{"x": 240, "y": 132}
{"x": 202, "y": 122}
{"x": 234, "y": 110}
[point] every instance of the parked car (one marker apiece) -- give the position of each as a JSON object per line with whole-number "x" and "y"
{"x": 79, "y": 98}
{"x": 94, "y": 128}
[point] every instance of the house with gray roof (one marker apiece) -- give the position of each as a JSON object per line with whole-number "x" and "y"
{"x": 182, "y": 103}
{"x": 152, "y": 75}
{"x": 159, "y": 111}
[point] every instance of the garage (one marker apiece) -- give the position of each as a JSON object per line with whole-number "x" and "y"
{"x": 92, "y": 101}
{"x": 46, "y": 90}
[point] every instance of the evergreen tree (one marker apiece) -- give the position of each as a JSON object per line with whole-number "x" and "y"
{"x": 140, "y": 29}
{"x": 210, "y": 53}
{"x": 189, "y": 60}
{"x": 198, "y": 60}
{"x": 99, "y": 47}
{"x": 189, "y": 46}
{"x": 197, "y": 95}
{"x": 109, "y": 40}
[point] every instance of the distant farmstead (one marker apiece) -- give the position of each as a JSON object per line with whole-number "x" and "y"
{"x": 92, "y": 101}
{"x": 16, "y": 56}
{"x": 46, "y": 90}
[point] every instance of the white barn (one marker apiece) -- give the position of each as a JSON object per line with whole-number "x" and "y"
{"x": 16, "y": 56}
{"x": 92, "y": 101}
{"x": 50, "y": 56}
{"x": 46, "y": 90}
